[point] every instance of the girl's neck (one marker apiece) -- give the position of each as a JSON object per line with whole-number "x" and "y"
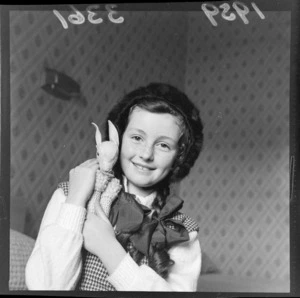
{"x": 141, "y": 192}
{"x": 138, "y": 191}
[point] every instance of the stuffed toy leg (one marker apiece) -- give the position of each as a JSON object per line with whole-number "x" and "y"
{"x": 107, "y": 186}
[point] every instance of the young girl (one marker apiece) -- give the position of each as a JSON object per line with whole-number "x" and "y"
{"x": 145, "y": 244}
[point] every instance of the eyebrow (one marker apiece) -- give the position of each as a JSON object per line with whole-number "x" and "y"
{"x": 142, "y": 132}
{"x": 136, "y": 130}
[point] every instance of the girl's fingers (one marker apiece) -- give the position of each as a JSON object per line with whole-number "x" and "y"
{"x": 90, "y": 215}
{"x": 99, "y": 214}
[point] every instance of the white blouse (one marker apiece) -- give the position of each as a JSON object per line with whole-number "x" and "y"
{"x": 56, "y": 262}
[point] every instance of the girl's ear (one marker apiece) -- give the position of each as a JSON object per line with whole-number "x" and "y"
{"x": 97, "y": 135}
{"x": 113, "y": 133}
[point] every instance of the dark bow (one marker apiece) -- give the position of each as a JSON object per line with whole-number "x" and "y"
{"x": 146, "y": 232}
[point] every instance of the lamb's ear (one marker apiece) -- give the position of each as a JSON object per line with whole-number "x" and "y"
{"x": 113, "y": 133}
{"x": 97, "y": 135}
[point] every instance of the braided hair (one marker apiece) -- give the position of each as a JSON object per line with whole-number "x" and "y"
{"x": 162, "y": 98}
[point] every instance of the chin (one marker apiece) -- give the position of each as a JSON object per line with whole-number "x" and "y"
{"x": 143, "y": 184}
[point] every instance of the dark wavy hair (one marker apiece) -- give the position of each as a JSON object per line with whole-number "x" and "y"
{"x": 162, "y": 98}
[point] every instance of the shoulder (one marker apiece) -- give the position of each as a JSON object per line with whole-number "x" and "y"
{"x": 189, "y": 223}
{"x": 59, "y": 195}
{"x": 53, "y": 207}
{"x": 64, "y": 186}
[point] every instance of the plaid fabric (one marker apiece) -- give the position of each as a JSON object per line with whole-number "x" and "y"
{"x": 65, "y": 187}
{"x": 20, "y": 248}
{"x": 94, "y": 273}
{"x": 187, "y": 221}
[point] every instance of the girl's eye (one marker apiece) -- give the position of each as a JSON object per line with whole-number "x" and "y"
{"x": 136, "y": 138}
{"x": 164, "y": 146}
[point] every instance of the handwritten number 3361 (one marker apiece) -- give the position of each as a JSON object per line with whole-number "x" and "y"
{"x": 78, "y": 18}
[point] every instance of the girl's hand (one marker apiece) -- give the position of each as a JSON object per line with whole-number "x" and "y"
{"x": 97, "y": 232}
{"x": 82, "y": 182}
{"x": 100, "y": 240}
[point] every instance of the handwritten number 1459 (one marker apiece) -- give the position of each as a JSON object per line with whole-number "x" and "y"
{"x": 78, "y": 18}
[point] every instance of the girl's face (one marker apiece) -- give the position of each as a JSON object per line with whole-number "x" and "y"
{"x": 149, "y": 148}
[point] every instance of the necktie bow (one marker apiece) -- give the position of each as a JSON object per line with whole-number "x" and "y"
{"x": 146, "y": 230}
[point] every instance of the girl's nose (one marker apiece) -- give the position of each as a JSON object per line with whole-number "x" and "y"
{"x": 146, "y": 153}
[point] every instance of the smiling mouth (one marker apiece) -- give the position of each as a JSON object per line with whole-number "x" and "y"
{"x": 142, "y": 168}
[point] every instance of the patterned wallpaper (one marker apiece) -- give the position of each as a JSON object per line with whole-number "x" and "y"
{"x": 238, "y": 75}
{"x": 239, "y": 189}
{"x": 50, "y": 136}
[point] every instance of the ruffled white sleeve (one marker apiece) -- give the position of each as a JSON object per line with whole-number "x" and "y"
{"x": 183, "y": 275}
{"x": 55, "y": 262}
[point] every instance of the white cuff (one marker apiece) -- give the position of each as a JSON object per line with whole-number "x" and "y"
{"x": 125, "y": 274}
{"x": 72, "y": 217}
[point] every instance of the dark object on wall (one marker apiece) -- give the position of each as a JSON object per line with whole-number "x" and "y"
{"x": 60, "y": 85}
